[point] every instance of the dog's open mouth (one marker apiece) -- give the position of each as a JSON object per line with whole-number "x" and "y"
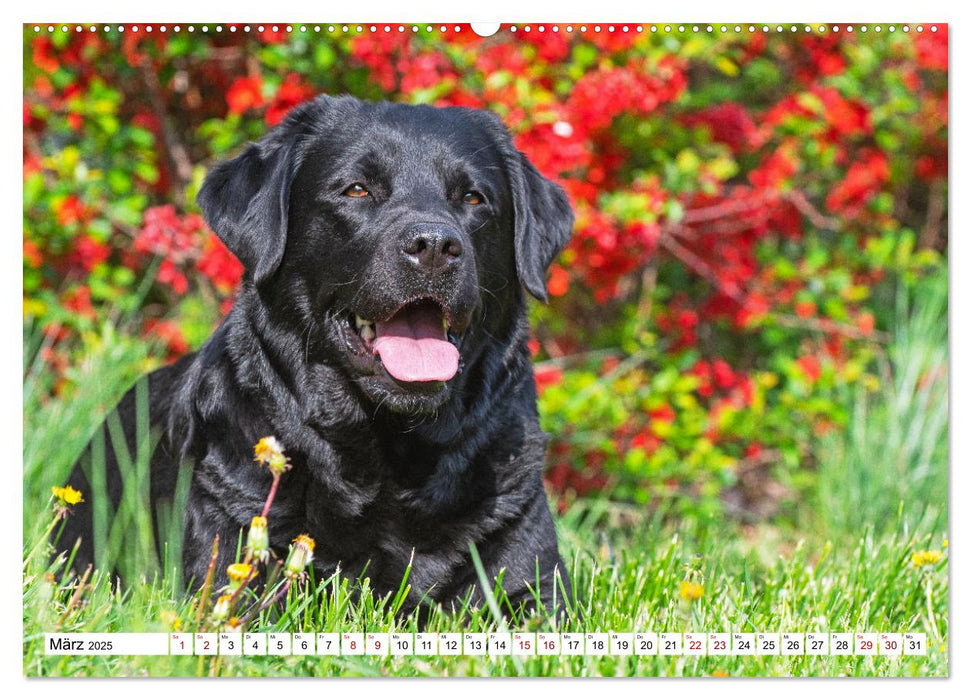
{"x": 413, "y": 344}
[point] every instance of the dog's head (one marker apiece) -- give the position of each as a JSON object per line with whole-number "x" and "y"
{"x": 395, "y": 239}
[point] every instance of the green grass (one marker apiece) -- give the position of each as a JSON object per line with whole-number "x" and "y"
{"x": 893, "y": 454}
{"x": 626, "y": 579}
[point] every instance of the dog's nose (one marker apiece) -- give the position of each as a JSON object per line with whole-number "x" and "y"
{"x": 432, "y": 247}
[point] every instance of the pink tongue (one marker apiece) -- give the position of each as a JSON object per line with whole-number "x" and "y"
{"x": 413, "y": 346}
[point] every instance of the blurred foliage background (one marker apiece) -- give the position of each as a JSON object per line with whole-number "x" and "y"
{"x": 751, "y": 319}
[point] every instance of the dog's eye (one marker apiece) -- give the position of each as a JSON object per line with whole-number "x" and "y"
{"x": 356, "y": 190}
{"x": 473, "y": 197}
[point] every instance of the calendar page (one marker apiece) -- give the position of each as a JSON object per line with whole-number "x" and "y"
{"x": 560, "y": 349}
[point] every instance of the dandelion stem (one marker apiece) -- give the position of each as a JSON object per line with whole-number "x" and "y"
{"x": 207, "y": 584}
{"x": 271, "y": 495}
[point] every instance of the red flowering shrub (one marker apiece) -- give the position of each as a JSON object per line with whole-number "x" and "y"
{"x": 744, "y": 205}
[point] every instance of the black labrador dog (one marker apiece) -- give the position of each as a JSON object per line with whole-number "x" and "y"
{"x": 380, "y": 334}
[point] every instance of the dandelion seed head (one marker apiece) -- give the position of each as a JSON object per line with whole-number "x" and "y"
{"x": 220, "y": 611}
{"x": 270, "y": 451}
{"x": 300, "y": 556}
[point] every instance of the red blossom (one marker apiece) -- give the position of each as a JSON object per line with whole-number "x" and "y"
{"x": 933, "y": 164}
{"x": 460, "y": 97}
{"x": 599, "y": 96}
{"x": 504, "y": 56}
{"x": 687, "y": 319}
{"x": 844, "y": 117}
{"x": 823, "y": 57}
{"x": 746, "y": 387}
{"x": 169, "y": 274}
{"x": 776, "y": 170}
{"x": 613, "y": 42}
{"x": 462, "y": 35}
{"x": 754, "y": 309}
{"x": 426, "y": 70}
{"x": 165, "y": 234}
{"x": 864, "y": 178}
{"x": 865, "y": 322}
{"x": 556, "y": 149}
{"x": 274, "y": 34}
{"x": 663, "y": 414}
{"x": 245, "y": 94}
{"x": 729, "y": 123}
{"x": 381, "y": 52}
{"x": 292, "y": 91}
{"x": 559, "y": 281}
{"x": 43, "y": 55}
{"x": 547, "y": 376}
{"x": 32, "y": 254}
{"x": 551, "y": 47}
{"x": 137, "y": 46}
{"x": 647, "y": 441}
{"x": 169, "y": 333}
{"x": 723, "y": 374}
{"x": 702, "y": 370}
{"x": 78, "y": 301}
{"x": 220, "y": 266}
{"x": 606, "y": 251}
{"x": 89, "y": 252}
{"x": 810, "y": 367}
{"x": 932, "y": 48}
{"x": 783, "y": 111}
{"x": 70, "y": 210}
{"x": 805, "y": 309}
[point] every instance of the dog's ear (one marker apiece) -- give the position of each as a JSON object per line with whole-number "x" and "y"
{"x": 246, "y": 201}
{"x": 543, "y": 223}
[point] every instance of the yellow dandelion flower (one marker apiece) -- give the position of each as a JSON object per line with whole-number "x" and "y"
{"x": 944, "y": 544}
{"x": 720, "y": 673}
{"x": 922, "y": 557}
{"x": 239, "y": 574}
{"x": 171, "y": 620}
{"x": 690, "y": 590}
{"x": 66, "y": 495}
{"x": 306, "y": 541}
{"x": 269, "y": 451}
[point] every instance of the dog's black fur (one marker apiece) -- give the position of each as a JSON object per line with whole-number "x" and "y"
{"x": 383, "y": 471}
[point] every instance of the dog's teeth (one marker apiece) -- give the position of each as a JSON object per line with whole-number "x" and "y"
{"x": 360, "y": 322}
{"x": 367, "y": 332}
